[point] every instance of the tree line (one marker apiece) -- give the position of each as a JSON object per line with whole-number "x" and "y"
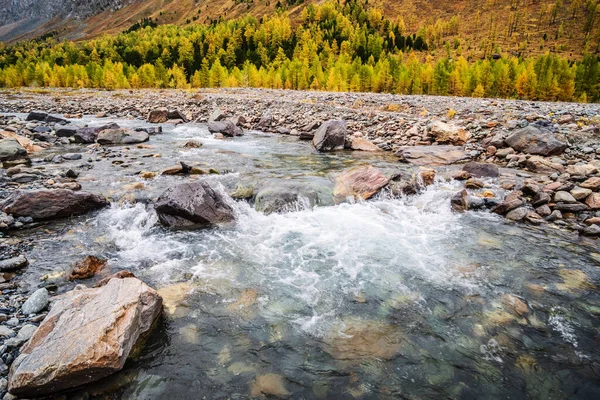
{"x": 335, "y": 47}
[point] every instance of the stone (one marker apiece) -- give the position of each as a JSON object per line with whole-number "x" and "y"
{"x": 555, "y": 215}
{"x": 509, "y": 203}
{"x": 570, "y": 207}
{"x": 448, "y": 134}
{"x": 540, "y": 198}
{"x": 592, "y": 230}
{"x": 517, "y": 214}
{"x": 86, "y": 268}
{"x": 158, "y": 115}
{"x": 192, "y": 205}
{"x": 265, "y": 121}
{"x": 432, "y": 155}
{"x": 536, "y": 140}
{"x": 482, "y": 170}
{"x": 581, "y": 170}
{"x": 591, "y": 183}
{"x": 11, "y": 149}
{"x": 360, "y": 183}
{"x": 176, "y": 115}
{"x": 65, "y": 132}
{"x": 87, "y": 335}
{"x": 121, "y": 136}
{"x": 362, "y": 144}
{"x": 564, "y": 197}
{"x": 331, "y": 135}
{"x": 26, "y": 143}
{"x": 86, "y": 135}
{"x": 580, "y": 193}
{"x": 269, "y": 385}
{"x": 5, "y": 331}
{"x": 192, "y": 144}
{"x": 474, "y": 184}
{"x": 542, "y": 165}
{"x": 37, "y": 302}
{"x": 593, "y": 201}
{"x": 226, "y": 128}
{"x": 26, "y": 332}
{"x": 36, "y": 116}
{"x": 459, "y": 201}
{"x": 216, "y": 115}
{"x": 543, "y": 210}
{"x": 13, "y": 263}
{"x": 51, "y": 203}
{"x": 280, "y": 196}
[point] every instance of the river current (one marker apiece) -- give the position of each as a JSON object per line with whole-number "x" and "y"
{"x": 388, "y": 298}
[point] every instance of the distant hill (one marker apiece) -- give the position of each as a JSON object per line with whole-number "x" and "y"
{"x": 481, "y": 27}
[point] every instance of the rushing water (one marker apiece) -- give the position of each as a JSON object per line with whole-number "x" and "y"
{"x": 390, "y": 298}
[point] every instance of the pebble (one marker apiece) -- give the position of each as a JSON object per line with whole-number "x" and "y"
{"x": 36, "y": 303}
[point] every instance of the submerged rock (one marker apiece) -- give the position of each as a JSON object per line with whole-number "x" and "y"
{"x": 192, "y": 205}
{"x": 88, "y": 334}
{"x": 361, "y": 183}
{"x": 331, "y": 135}
{"x": 277, "y": 196}
{"x": 432, "y": 155}
{"x": 536, "y": 140}
{"x": 86, "y": 268}
{"x": 51, "y": 203}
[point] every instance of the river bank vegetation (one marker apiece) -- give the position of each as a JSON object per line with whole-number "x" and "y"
{"x": 335, "y": 47}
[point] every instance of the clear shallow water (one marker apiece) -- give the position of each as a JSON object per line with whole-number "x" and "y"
{"x": 392, "y": 298}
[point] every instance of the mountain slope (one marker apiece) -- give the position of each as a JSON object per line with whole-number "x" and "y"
{"x": 480, "y": 27}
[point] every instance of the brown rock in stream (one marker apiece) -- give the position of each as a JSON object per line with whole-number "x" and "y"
{"x": 88, "y": 334}
{"x": 86, "y": 268}
{"x": 360, "y": 183}
{"x": 52, "y": 203}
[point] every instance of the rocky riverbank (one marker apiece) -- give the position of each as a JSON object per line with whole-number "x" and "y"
{"x": 534, "y": 163}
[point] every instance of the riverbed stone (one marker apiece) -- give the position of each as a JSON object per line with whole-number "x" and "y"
{"x": 192, "y": 205}
{"x": 482, "y": 170}
{"x": 591, "y": 183}
{"x": 536, "y": 140}
{"x": 158, "y": 115}
{"x": 86, "y": 268}
{"x": 331, "y": 135}
{"x": 281, "y": 196}
{"x": 36, "y": 302}
{"x": 362, "y": 144}
{"x": 121, "y": 136}
{"x": 51, "y": 203}
{"x": 593, "y": 201}
{"x": 226, "y": 128}
{"x": 565, "y": 197}
{"x": 10, "y": 149}
{"x": 432, "y": 155}
{"x": 13, "y": 263}
{"x": 87, "y": 335}
{"x": 444, "y": 133}
{"x": 360, "y": 183}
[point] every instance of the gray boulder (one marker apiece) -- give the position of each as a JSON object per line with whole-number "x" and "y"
{"x": 331, "y": 135}
{"x": 191, "y": 206}
{"x": 226, "y": 128}
{"x": 10, "y": 149}
{"x": 536, "y": 140}
{"x": 121, "y": 136}
{"x": 36, "y": 303}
